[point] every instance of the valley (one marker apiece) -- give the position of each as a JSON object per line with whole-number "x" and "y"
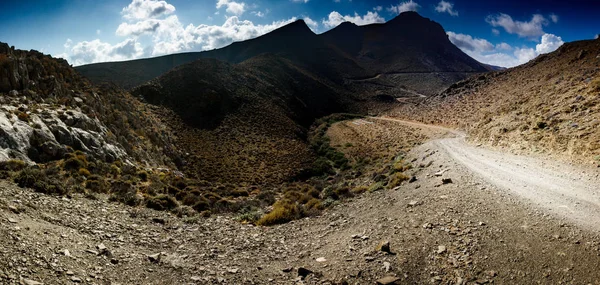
{"x": 435, "y": 233}
{"x": 364, "y": 154}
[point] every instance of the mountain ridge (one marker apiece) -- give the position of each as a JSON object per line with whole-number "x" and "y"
{"x": 297, "y": 42}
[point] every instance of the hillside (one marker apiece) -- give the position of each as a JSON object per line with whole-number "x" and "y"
{"x": 409, "y": 53}
{"x": 549, "y": 105}
{"x": 244, "y": 122}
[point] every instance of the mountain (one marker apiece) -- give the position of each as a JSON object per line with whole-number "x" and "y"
{"x": 394, "y": 52}
{"x": 550, "y": 104}
{"x": 227, "y": 104}
{"x": 408, "y": 43}
{"x": 294, "y": 41}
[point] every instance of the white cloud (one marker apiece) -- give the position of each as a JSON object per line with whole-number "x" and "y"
{"x": 98, "y": 32}
{"x": 144, "y": 9}
{"x": 312, "y": 24}
{"x": 503, "y": 46}
{"x": 97, "y": 51}
{"x": 596, "y": 37}
{"x": 166, "y": 34}
{"x": 495, "y": 32}
{"x": 446, "y": 7}
{"x": 500, "y": 55}
{"x": 554, "y": 18}
{"x": 146, "y": 26}
{"x": 531, "y": 29}
{"x": 68, "y": 43}
{"x": 336, "y": 18}
{"x": 548, "y": 44}
{"x": 466, "y": 42}
{"x": 303, "y": 1}
{"x": 404, "y": 7}
{"x": 232, "y": 7}
{"x": 378, "y": 8}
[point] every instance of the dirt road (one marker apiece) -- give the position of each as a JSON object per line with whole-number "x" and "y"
{"x": 556, "y": 188}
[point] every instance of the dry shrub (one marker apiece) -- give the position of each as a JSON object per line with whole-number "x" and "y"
{"x": 283, "y": 212}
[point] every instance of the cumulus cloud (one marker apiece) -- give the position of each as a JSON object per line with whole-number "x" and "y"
{"x": 446, "y": 7}
{"x": 467, "y": 42}
{"x": 151, "y": 21}
{"x": 312, "y": 24}
{"x": 404, "y": 7}
{"x": 232, "y": 7}
{"x": 336, "y": 18}
{"x": 503, "y": 46}
{"x": 143, "y": 9}
{"x": 549, "y": 43}
{"x": 500, "y": 54}
{"x": 98, "y": 51}
{"x": 530, "y": 29}
{"x": 138, "y": 28}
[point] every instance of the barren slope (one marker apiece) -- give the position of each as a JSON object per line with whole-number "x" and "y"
{"x": 549, "y": 105}
{"x": 465, "y": 232}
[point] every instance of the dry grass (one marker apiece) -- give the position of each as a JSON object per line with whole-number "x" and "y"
{"x": 550, "y": 105}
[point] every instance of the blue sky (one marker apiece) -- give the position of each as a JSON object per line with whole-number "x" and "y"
{"x": 504, "y": 33}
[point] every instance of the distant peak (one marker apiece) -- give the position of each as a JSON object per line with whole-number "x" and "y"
{"x": 296, "y": 26}
{"x": 348, "y": 23}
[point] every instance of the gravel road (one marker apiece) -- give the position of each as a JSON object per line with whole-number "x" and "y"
{"x": 557, "y": 188}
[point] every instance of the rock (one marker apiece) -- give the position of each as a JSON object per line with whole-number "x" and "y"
{"x": 388, "y": 280}
{"x": 11, "y": 220}
{"x": 76, "y": 279}
{"x": 412, "y": 179}
{"x": 287, "y": 269}
{"x": 446, "y": 180}
{"x": 321, "y": 259}
{"x": 386, "y": 266}
{"x": 159, "y": 220}
{"x": 233, "y": 270}
{"x": 66, "y": 253}
{"x": 154, "y": 258}
{"x": 13, "y": 209}
{"x": 70, "y": 273}
{"x": 114, "y": 261}
{"x": 384, "y": 246}
{"x": 303, "y": 272}
{"x": 441, "y": 249}
{"x": 441, "y": 172}
{"x": 30, "y": 282}
{"x": 92, "y": 252}
{"x": 413, "y": 203}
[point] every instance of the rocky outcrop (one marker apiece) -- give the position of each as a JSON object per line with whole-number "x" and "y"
{"x": 41, "y": 133}
{"x": 48, "y": 110}
{"x": 21, "y": 70}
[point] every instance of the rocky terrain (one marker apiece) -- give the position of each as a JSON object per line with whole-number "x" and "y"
{"x": 553, "y": 111}
{"x": 420, "y": 232}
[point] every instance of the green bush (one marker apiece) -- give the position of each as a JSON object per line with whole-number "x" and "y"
{"x": 38, "y": 181}
{"x": 162, "y": 203}
{"x": 12, "y": 165}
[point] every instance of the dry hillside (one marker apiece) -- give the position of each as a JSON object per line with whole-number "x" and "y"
{"x": 548, "y": 105}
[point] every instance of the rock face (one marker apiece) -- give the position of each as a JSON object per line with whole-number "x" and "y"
{"x": 20, "y": 70}
{"x": 47, "y": 110}
{"x": 44, "y": 134}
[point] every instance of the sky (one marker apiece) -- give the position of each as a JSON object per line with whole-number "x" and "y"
{"x": 502, "y": 33}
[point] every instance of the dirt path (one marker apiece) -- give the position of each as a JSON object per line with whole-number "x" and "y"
{"x": 551, "y": 186}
